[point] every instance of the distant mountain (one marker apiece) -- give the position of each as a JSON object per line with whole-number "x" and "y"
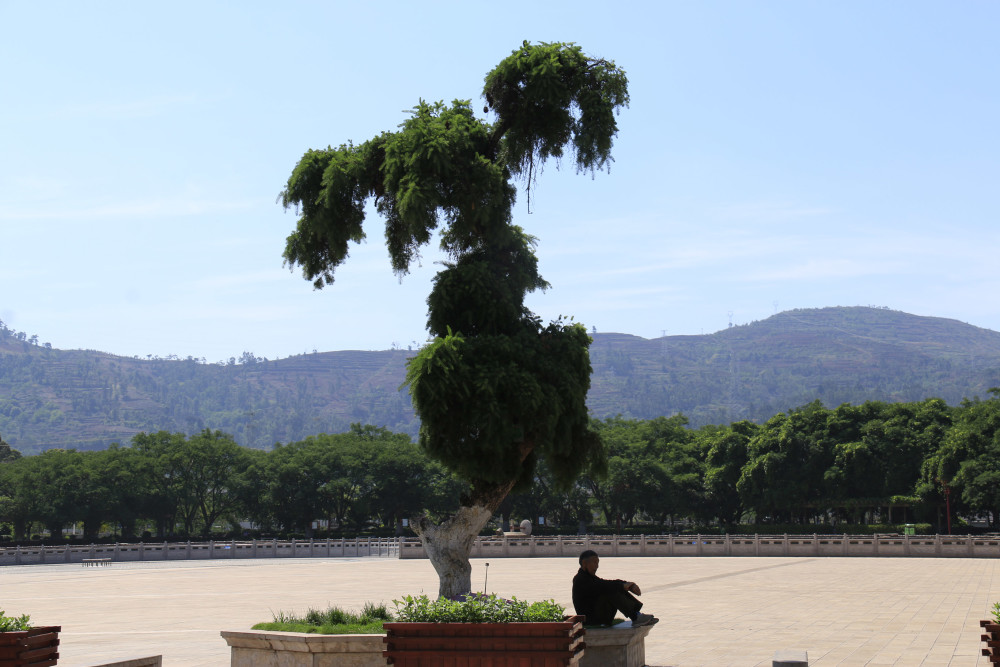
{"x": 753, "y": 371}
{"x": 85, "y": 399}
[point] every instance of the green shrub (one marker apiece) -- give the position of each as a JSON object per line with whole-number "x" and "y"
{"x": 476, "y": 609}
{"x": 14, "y": 623}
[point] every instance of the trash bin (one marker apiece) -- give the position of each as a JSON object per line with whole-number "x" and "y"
{"x": 909, "y": 529}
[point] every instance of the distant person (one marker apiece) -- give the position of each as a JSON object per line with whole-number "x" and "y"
{"x": 598, "y": 599}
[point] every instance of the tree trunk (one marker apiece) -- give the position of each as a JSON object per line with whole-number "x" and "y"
{"x": 449, "y": 543}
{"x": 55, "y": 530}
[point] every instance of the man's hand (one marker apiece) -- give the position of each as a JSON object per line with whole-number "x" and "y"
{"x": 632, "y": 587}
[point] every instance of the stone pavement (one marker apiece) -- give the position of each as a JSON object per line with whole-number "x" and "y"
{"x": 847, "y": 612}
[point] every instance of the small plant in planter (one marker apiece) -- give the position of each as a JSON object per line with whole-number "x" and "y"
{"x": 477, "y": 608}
{"x": 318, "y": 637}
{"x": 22, "y": 645}
{"x": 332, "y": 621}
{"x": 494, "y": 630}
{"x": 14, "y": 623}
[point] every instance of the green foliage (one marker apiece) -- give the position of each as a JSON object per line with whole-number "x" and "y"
{"x": 495, "y": 391}
{"x": 725, "y": 457}
{"x": 353, "y": 478}
{"x": 7, "y": 453}
{"x": 654, "y": 468}
{"x": 521, "y": 399}
{"x": 968, "y": 461}
{"x": 476, "y": 608}
{"x": 548, "y": 96}
{"x": 996, "y": 612}
{"x": 14, "y": 623}
{"x": 331, "y": 621}
{"x": 369, "y": 475}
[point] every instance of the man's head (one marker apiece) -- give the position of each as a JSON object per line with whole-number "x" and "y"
{"x": 589, "y": 561}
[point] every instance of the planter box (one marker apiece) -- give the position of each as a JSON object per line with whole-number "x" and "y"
{"x": 556, "y": 644}
{"x": 264, "y": 648}
{"x": 37, "y": 647}
{"x": 991, "y": 639}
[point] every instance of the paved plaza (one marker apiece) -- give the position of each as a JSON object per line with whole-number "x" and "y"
{"x": 846, "y": 612}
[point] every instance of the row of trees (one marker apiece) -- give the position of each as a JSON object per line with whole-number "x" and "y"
{"x": 873, "y": 462}
{"x": 876, "y": 461}
{"x": 186, "y": 485}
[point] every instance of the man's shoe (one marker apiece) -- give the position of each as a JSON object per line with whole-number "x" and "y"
{"x": 644, "y": 619}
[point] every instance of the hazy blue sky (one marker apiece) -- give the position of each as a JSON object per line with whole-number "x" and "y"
{"x": 775, "y": 155}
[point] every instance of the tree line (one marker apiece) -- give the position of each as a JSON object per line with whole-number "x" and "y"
{"x": 870, "y": 463}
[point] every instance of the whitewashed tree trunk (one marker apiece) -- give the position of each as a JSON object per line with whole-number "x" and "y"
{"x": 449, "y": 544}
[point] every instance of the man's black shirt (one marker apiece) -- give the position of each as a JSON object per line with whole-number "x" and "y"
{"x": 587, "y": 588}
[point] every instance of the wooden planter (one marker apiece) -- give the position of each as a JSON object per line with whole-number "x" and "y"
{"x": 37, "y": 647}
{"x": 992, "y": 640}
{"x": 554, "y": 644}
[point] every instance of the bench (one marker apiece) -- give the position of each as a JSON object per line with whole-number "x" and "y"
{"x": 616, "y": 646}
{"x": 87, "y": 562}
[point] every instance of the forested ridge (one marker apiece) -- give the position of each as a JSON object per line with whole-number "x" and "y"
{"x": 87, "y": 400}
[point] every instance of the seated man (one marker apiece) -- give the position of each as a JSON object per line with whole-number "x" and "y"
{"x": 598, "y": 599}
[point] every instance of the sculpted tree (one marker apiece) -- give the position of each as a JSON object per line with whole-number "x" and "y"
{"x": 496, "y": 390}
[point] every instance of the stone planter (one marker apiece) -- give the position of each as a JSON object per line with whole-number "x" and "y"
{"x": 617, "y": 646}
{"x": 992, "y": 640}
{"x": 260, "y": 648}
{"x": 37, "y": 647}
{"x": 556, "y": 644}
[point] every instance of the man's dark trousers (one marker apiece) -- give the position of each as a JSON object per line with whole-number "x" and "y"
{"x": 605, "y": 606}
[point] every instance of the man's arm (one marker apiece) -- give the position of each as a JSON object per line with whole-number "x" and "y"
{"x": 592, "y": 586}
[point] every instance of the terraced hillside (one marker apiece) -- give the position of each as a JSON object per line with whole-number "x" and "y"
{"x": 85, "y": 399}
